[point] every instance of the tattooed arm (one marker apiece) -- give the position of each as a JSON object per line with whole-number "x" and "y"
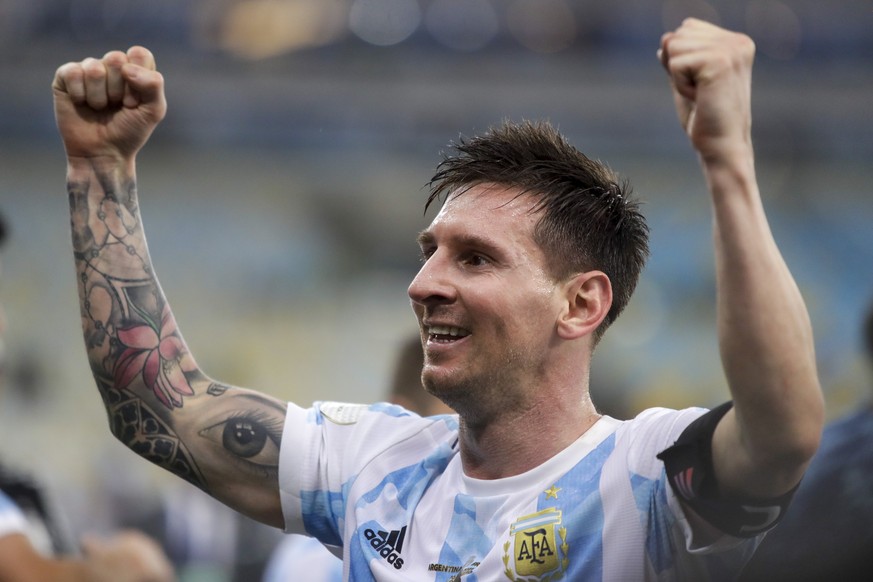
{"x": 222, "y": 439}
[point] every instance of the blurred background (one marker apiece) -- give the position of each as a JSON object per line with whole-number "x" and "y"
{"x": 284, "y": 190}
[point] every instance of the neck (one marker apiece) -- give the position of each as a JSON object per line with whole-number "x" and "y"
{"x": 521, "y": 440}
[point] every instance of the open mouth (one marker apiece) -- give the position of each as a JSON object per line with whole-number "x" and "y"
{"x": 446, "y": 333}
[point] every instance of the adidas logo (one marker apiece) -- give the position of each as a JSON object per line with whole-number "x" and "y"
{"x": 388, "y": 544}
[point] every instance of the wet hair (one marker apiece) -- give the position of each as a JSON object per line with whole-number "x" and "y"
{"x": 589, "y": 219}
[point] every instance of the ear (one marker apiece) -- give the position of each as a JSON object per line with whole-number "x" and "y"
{"x": 587, "y": 299}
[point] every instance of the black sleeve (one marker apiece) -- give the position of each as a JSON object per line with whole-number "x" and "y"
{"x": 692, "y": 476}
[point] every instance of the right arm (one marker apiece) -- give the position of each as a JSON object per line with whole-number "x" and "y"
{"x": 223, "y": 439}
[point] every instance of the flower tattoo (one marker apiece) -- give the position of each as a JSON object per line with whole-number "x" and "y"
{"x": 160, "y": 355}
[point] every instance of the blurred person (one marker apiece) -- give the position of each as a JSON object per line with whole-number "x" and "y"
{"x": 204, "y": 539}
{"x": 298, "y": 553}
{"x": 34, "y": 547}
{"x": 827, "y": 534}
{"x": 127, "y": 556}
{"x": 534, "y": 253}
{"x": 406, "y": 389}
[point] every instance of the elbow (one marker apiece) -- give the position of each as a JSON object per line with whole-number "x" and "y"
{"x": 123, "y": 431}
{"x": 126, "y": 421}
{"x": 811, "y": 425}
{"x": 797, "y": 456}
{"x": 809, "y": 440}
{"x": 779, "y": 445}
{"x": 801, "y": 441}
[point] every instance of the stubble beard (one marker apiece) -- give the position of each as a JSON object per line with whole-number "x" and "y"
{"x": 480, "y": 396}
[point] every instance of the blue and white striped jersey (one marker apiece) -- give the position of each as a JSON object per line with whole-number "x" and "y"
{"x": 387, "y": 486}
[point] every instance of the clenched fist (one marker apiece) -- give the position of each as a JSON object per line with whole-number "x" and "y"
{"x": 108, "y": 107}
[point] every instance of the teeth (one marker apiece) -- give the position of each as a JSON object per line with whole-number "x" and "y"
{"x": 446, "y": 330}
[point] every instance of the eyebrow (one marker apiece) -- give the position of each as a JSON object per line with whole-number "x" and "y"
{"x": 427, "y": 238}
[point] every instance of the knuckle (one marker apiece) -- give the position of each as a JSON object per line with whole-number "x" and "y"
{"x": 139, "y": 53}
{"x": 114, "y": 59}
{"x": 93, "y": 69}
{"x": 68, "y": 71}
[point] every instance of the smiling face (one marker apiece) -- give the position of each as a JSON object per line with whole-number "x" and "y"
{"x": 486, "y": 304}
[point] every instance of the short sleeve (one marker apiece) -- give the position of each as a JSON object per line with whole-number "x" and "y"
{"x": 326, "y": 448}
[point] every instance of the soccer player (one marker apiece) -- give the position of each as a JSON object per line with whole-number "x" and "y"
{"x": 534, "y": 252}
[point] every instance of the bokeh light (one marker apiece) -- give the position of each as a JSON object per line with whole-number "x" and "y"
{"x": 384, "y": 22}
{"x": 543, "y": 26}
{"x": 259, "y": 29}
{"x": 775, "y": 28}
{"x": 463, "y": 25}
{"x": 674, "y": 12}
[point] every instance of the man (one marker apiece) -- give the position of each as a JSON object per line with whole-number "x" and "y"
{"x": 32, "y": 548}
{"x": 827, "y": 533}
{"x": 534, "y": 253}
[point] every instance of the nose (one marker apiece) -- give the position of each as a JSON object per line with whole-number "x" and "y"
{"x": 432, "y": 285}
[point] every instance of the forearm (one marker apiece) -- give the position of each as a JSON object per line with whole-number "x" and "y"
{"x": 765, "y": 337}
{"x": 222, "y": 439}
{"x": 125, "y": 317}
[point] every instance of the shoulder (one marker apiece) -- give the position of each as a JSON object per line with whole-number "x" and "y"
{"x": 352, "y": 436}
{"x": 381, "y": 421}
{"x": 640, "y": 439}
{"x": 666, "y": 423}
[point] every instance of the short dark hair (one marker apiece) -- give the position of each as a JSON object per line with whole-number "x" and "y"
{"x": 589, "y": 221}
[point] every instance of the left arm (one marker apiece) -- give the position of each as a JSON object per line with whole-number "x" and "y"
{"x": 762, "y": 446}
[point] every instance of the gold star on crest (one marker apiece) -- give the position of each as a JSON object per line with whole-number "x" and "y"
{"x": 552, "y": 492}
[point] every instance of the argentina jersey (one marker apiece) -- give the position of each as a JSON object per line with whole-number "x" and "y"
{"x": 388, "y": 487}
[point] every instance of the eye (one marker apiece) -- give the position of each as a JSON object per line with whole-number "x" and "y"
{"x": 477, "y": 260}
{"x": 248, "y": 436}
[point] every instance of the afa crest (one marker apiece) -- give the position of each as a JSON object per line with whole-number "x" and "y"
{"x": 537, "y": 549}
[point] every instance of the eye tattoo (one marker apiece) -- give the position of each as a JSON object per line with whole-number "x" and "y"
{"x": 251, "y": 435}
{"x": 243, "y": 437}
